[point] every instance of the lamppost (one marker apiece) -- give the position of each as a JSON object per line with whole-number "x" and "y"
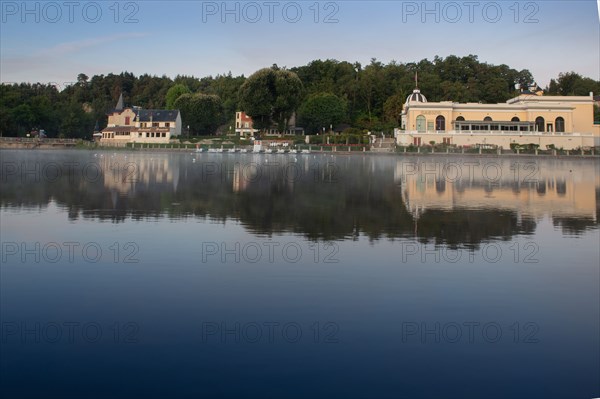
{"x": 188, "y": 131}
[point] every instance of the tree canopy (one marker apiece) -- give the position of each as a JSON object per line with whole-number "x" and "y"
{"x": 174, "y": 93}
{"x": 201, "y": 112}
{"x": 321, "y": 110}
{"x": 373, "y": 94}
{"x": 271, "y": 95}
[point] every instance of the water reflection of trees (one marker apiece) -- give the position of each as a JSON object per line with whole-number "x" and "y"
{"x": 363, "y": 201}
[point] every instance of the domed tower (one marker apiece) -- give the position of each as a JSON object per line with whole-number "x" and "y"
{"x": 415, "y": 97}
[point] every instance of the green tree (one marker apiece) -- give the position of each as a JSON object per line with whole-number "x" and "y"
{"x": 82, "y": 79}
{"x": 24, "y": 118}
{"x": 271, "y": 95}
{"x": 202, "y": 112}
{"x": 74, "y": 122}
{"x": 392, "y": 108}
{"x": 321, "y": 110}
{"x": 174, "y": 93}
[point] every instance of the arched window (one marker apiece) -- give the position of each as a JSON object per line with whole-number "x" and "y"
{"x": 460, "y": 119}
{"x": 515, "y": 119}
{"x": 559, "y": 124}
{"x": 420, "y": 124}
{"x": 539, "y": 124}
{"x": 440, "y": 123}
{"x": 487, "y": 119}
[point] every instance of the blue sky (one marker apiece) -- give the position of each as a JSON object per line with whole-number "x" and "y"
{"x": 54, "y": 41}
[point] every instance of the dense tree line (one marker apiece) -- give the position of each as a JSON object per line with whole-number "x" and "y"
{"x": 363, "y": 96}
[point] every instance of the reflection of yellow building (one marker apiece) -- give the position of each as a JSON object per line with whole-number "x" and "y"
{"x": 126, "y": 174}
{"x": 563, "y": 121}
{"x": 565, "y": 189}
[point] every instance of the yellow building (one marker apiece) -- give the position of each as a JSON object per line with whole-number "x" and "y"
{"x": 137, "y": 125}
{"x": 562, "y": 121}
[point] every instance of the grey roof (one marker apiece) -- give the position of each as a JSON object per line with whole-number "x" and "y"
{"x": 416, "y": 96}
{"x": 158, "y": 115}
{"x": 119, "y": 106}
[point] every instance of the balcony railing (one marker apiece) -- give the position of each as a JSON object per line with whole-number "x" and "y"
{"x": 500, "y": 132}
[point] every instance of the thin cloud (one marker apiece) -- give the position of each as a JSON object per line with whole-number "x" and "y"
{"x": 52, "y": 56}
{"x": 73, "y": 47}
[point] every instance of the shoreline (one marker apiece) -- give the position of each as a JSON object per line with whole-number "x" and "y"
{"x": 574, "y": 155}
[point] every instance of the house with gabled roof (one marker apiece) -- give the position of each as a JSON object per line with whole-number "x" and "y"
{"x": 137, "y": 125}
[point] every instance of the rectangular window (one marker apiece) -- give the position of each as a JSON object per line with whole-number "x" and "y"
{"x": 154, "y": 124}
{"x": 167, "y": 124}
{"x": 127, "y": 120}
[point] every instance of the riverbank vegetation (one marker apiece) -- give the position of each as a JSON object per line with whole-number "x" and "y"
{"x": 363, "y": 97}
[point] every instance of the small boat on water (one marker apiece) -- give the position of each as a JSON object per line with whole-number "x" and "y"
{"x": 306, "y": 151}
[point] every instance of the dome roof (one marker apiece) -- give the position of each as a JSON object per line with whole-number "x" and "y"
{"x": 416, "y": 97}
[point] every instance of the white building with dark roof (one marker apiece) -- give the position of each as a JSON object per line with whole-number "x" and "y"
{"x": 137, "y": 125}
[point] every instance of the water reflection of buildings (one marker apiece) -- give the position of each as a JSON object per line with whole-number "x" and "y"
{"x": 128, "y": 174}
{"x": 557, "y": 189}
{"x": 241, "y": 177}
{"x": 282, "y": 170}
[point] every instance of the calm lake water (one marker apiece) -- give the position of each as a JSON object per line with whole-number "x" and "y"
{"x": 305, "y": 276}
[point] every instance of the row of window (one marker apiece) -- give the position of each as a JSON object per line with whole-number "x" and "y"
{"x": 141, "y": 135}
{"x": 155, "y": 124}
{"x": 146, "y": 124}
{"x": 540, "y": 123}
{"x": 153, "y": 134}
